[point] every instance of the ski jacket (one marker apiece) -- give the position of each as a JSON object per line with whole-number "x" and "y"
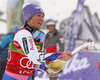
{"x": 24, "y": 56}
{"x": 4, "y": 46}
{"x": 55, "y": 43}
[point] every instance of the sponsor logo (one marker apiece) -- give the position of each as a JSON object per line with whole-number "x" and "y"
{"x": 37, "y": 7}
{"x": 38, "y": 47}
{"x": 25, "y": 72}
{"x": 31, "y": 43}
{"x": 27, "y": 16}
{"x": 76, "y": 64}
{"x": 26, "y": 63}
{"x": 16, "y": 45}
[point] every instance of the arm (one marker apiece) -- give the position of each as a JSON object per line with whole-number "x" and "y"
{"x": 26, "y": 41}
{"x": 6, "y": 39}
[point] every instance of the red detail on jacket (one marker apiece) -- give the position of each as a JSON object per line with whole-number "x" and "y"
{"x": 31, "y": 43}
{"x": 19, "y": 64}
{"x": 16, "y": 45}
{"x": 51, "y": 49}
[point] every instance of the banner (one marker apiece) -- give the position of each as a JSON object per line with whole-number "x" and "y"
{"x": 11, "y": 5}
{"x": 76, "y": 24}
{"x": 14, "y": 14}
{"x": 83, "y": 66}
{"x": 18, "y": 16}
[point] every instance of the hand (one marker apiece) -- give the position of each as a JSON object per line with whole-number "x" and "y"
{"x": 68, "y": 56}
{"x": 51, "y": 74}
{"x": 86, "y": 49}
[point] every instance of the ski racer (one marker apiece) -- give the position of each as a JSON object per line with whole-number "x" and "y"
{"x": 24, "y": 56}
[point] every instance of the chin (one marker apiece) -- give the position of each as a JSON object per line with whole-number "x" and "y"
{"x": 39, "y": 27}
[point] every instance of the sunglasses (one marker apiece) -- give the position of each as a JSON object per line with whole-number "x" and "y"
{"x": 38, "y": 35}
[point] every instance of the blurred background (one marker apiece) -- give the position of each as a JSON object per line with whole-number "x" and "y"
{"x": 75, "y": 20}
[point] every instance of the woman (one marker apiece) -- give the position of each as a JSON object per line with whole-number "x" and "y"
{"x": 23, "y": 53}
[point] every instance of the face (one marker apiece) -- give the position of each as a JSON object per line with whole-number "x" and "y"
{"x": 36, "y": 21}
{"x": 51, "y": 28}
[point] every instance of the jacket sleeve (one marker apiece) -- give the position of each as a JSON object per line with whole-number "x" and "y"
{"x": 26, "y": 41}
{"x": 61, "y": 43}
{"x": 5, "y": 41}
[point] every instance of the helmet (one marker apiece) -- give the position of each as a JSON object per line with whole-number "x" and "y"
{"x": 50, "y": 22}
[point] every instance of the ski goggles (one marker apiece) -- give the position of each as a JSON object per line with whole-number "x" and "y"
{"x": 50, "y": 20}
{"x": 38, "y": 35}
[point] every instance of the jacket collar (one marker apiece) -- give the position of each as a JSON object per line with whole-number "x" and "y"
{"x": 55, "y": 32}
{"x": 30, "y": 29}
